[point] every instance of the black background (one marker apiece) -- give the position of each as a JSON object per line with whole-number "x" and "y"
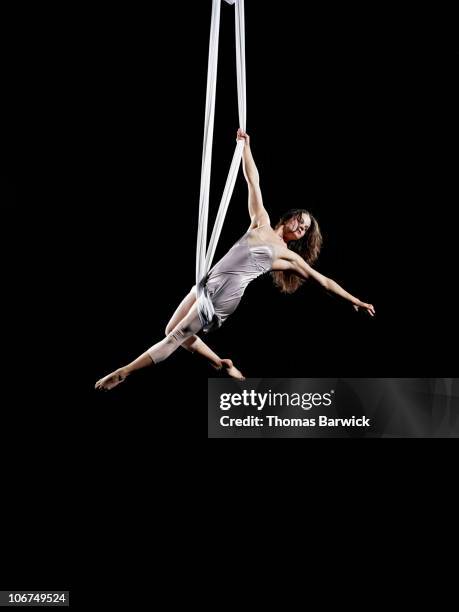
{"x": 352, "y": 114}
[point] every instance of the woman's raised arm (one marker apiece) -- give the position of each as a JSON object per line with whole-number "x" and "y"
{"x": 257, "y": 211}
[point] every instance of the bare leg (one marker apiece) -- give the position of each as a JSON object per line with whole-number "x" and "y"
{"x": 181, "y": 331}
{"x": 160, "y": 351}
{"x": 195, "y": 345}
{"x": 118, "y": 376}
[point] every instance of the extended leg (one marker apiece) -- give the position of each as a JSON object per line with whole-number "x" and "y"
{"x": 160, "y": 351}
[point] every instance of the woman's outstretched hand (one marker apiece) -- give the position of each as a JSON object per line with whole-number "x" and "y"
{"x": 368, "y": 307}
{"x": 241, "y": 135}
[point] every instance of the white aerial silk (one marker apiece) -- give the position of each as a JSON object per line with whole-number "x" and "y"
{"x": 205, "y": 257}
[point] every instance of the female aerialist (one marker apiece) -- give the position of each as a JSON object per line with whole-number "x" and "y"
{"x": 287, "y": 251}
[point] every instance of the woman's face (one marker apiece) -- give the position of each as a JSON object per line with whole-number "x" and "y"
{"x": 294, "y": 228}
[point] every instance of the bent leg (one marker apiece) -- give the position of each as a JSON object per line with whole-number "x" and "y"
{"x": 193, "y": 344}
{"x": 183, "y": 331}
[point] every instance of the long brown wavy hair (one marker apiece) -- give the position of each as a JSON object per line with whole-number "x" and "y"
{"x": 308, "y": 247}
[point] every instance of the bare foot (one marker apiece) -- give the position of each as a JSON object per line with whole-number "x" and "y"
{"x": 231, "y": 369}
{"x": 111, "y": 380}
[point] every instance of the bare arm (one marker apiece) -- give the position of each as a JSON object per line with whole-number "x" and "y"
{"x": 300, "y": 267}
{"x": 257, "y": 211}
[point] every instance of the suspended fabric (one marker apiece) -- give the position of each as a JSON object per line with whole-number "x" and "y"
{"x": 204, "y": 256}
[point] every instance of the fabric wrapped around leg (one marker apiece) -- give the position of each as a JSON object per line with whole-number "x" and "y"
{"x": 189, "y": 326}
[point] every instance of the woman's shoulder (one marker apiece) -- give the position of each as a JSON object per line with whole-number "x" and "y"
{"x": 265, "y": 235}
{"x": 260, "y": 234}
{"x": 261, "y": 230}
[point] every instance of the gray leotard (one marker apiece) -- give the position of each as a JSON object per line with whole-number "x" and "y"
{"x": 227, "y": 280}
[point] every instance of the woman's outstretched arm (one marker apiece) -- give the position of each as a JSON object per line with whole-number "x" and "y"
{"x": 257, "y": 211}
{"x": 300, "y": 267}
